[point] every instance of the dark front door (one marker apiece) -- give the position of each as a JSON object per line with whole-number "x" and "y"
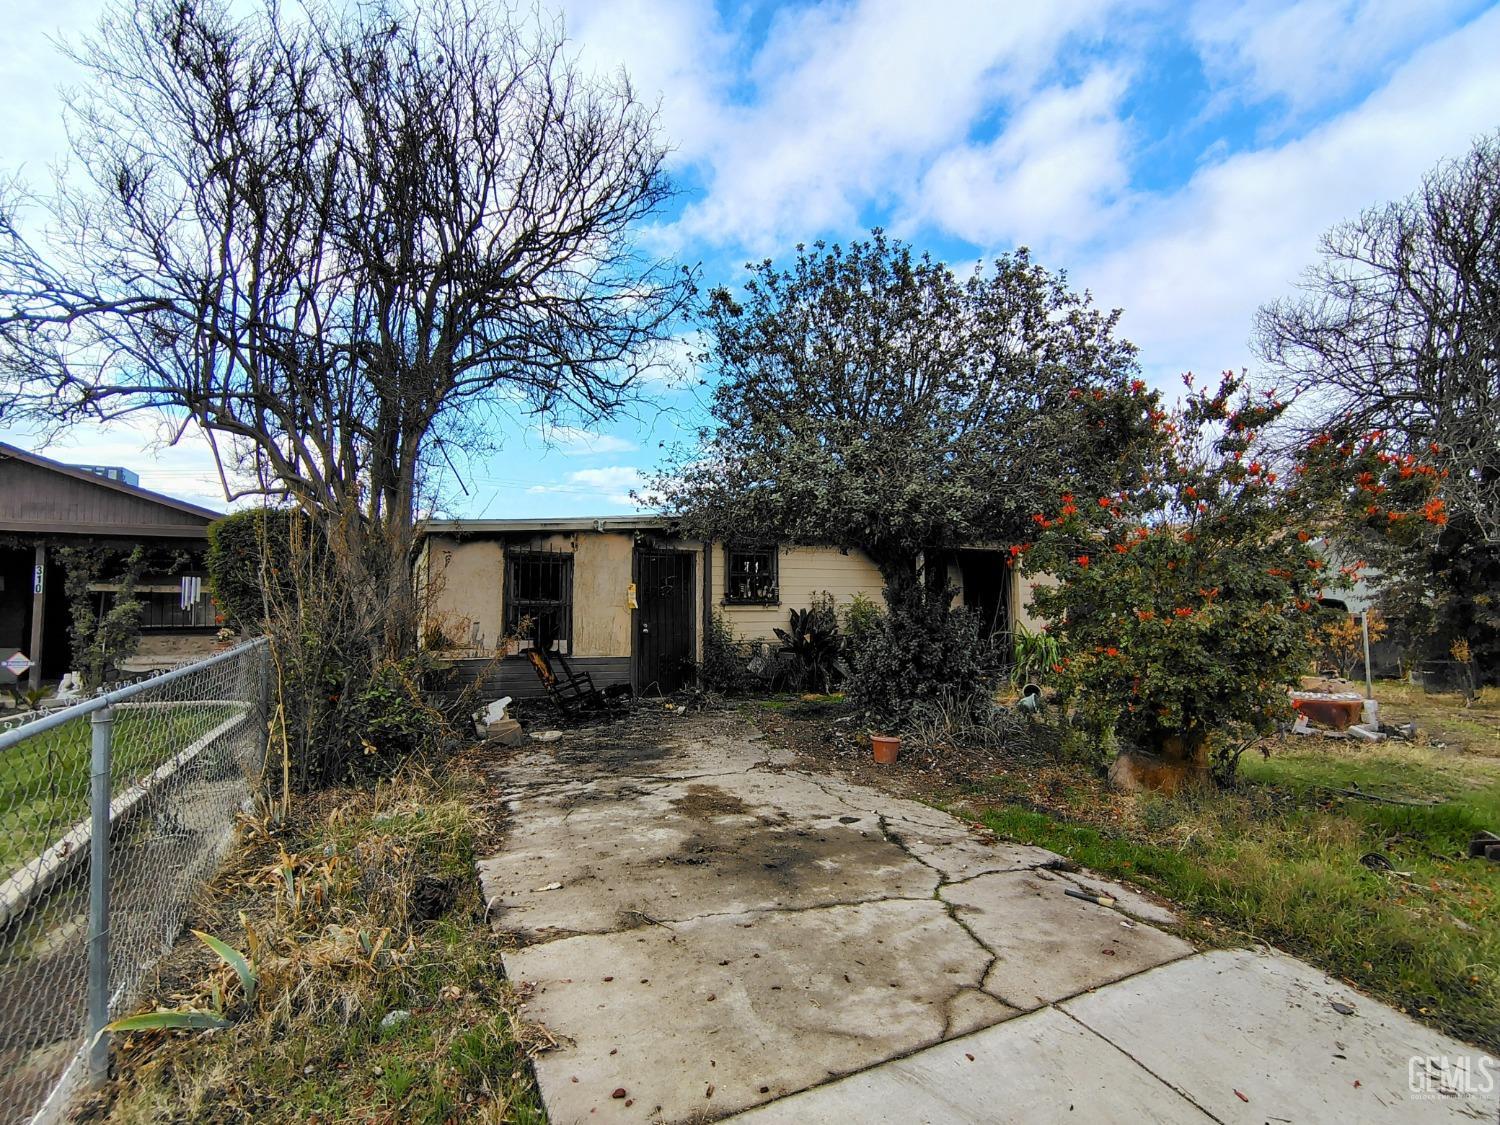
{"x": 663, "y": 620}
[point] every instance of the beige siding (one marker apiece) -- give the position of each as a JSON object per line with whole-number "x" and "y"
{"x": 801, "y": 573}
{"x": 601, "y": 593}
{"x": 1021, "y": 591}
{"x": 464, "y": 581}
{"x": 467, "y": 583}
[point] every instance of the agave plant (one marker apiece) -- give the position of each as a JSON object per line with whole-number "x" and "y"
{"x": 193, "y": 1019}
{"x": 815, "y": 642}
{"x": 1035, "y": 653}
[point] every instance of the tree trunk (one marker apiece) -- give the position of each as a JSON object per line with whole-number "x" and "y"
{"x": 1178, "y": 762}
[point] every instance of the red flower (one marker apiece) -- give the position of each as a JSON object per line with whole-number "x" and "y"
{"x": 1182, "y": 611}
{"x": 1111, "y": 651}
{"x": 1104, "y": 501}
{"x": 1083, "y": 561}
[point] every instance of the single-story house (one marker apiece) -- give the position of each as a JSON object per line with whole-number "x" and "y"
{"x": 46, "y": 506}
{"x": 627, "y": 598}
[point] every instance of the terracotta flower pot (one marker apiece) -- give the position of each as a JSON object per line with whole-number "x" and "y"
{"x": 886, "y": 747}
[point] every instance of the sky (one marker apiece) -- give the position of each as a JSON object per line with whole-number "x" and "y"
{"x": 1179, "y": 160}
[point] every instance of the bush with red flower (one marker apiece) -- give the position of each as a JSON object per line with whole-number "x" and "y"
{"x": 1184, "y": 605}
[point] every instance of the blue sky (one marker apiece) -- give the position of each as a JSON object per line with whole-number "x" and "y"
{"x": 1178, "y": 159}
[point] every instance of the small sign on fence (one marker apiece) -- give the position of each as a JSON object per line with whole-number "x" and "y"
{"x": 16, "y": 664}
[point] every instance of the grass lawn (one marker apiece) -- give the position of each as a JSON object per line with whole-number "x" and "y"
{"x": 365, "y": 905}
{"x": 1280, "y": 858}
{"x": 44, "y": 781}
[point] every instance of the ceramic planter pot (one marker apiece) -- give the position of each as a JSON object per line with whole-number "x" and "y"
{"x": 886, "y": 748}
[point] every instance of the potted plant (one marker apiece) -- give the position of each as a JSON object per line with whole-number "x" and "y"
{"x": 886, "y": 747}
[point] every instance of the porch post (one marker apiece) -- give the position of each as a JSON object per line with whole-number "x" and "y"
{"x": 38, "y": 611}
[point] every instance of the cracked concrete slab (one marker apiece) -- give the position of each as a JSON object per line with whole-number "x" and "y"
{"x": 708, "y": 931}
{"x": 622, "y": 853}
{"x": 1048, "y": 945}
{"x": 961, "y": 852}
{"x": 1267, "y": 1044}
{"x": 715, "y": 1014}
{"x": 1127, "y": 900}
{"x": 1038, "y": 1069}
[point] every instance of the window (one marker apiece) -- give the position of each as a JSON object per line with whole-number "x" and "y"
{"x": 750, "y": 577}
{"x": 539, "y": 592}
{"x": 161, "y": 603}
{"x": 164, "y": 611}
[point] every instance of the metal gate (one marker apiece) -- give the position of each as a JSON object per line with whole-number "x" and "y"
{"x": 664, "y": 620}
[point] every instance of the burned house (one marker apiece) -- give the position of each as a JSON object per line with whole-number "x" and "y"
{"x": 626, "y": 599}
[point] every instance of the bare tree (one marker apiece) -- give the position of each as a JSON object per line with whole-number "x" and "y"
{"x": 1398, "y": 328}
{"x": 338, "y": 239}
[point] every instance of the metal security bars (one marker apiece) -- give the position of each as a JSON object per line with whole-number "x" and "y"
{"x": 539, "y": 596}
{"x": 113, "y": 814}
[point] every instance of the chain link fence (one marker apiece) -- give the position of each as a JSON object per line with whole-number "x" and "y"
{"x": 113, "y": 814}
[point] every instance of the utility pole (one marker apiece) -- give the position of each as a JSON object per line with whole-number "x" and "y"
{"x": 1364, "y": 628}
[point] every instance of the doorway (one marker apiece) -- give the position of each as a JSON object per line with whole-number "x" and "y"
{"x": 664, "y": 620}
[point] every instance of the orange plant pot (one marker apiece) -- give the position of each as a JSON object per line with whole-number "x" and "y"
{"x": 886, "y": 747}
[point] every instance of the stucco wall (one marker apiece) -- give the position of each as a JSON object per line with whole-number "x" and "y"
{"x": 601, "y": 581}
{"x": 467, "y": 579}
{"x": 464, "y": 580}
{"x": 801, "y": 573}
{"x": 1024, "y": 584}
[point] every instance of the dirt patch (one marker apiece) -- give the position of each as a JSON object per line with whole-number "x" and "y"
{"x": 708, "y": 801}
{"x": 827, "y": 739}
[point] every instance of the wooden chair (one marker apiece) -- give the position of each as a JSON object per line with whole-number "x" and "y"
{"x": 572, "y": 691}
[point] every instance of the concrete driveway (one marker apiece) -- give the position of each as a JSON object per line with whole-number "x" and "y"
{"x": 707, "y": 932}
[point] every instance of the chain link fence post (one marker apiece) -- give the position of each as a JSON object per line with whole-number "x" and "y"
{"x": 102, "y": 724}
{"x": 115, "y": 811}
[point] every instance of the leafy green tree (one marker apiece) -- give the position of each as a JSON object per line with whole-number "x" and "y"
{"x": 1386, "y": 504}
{"x": 1185, "y": 603}
{"x": 867, "y": 397}
{"x": 1395, "y": 333}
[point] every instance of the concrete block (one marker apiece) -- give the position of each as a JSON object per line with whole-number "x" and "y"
{"x": 1049, "y": 945}
{"x": 1254, "y": 1037}
{"x": 716, "y": 1014}
{"x": 1038, "y": 1069}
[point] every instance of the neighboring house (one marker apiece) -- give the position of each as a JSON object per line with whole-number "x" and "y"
{"x": 44, "y": 506}
{"x": 626, "y": 598}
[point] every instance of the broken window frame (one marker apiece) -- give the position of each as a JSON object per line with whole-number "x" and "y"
{"x": 523, "y": 566}
{"x": 747, "y": 585}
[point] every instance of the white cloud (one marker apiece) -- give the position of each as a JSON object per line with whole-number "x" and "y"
{"x": 1053, "y": 173}
{"x": 574, "y": 442}
{"x": 840, "y": 107}
{"x": 1192, "y": 266}
{"x": 1304, "y": 52}
{"x": 611, "y": 484}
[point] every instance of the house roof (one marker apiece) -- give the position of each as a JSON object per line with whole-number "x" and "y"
{"x": 44, "y": 496}
{"x": 558, "y": 523}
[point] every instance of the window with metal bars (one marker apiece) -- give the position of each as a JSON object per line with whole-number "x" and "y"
{"x": 539, "y": 598}
{"x": 750, "y": 575}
